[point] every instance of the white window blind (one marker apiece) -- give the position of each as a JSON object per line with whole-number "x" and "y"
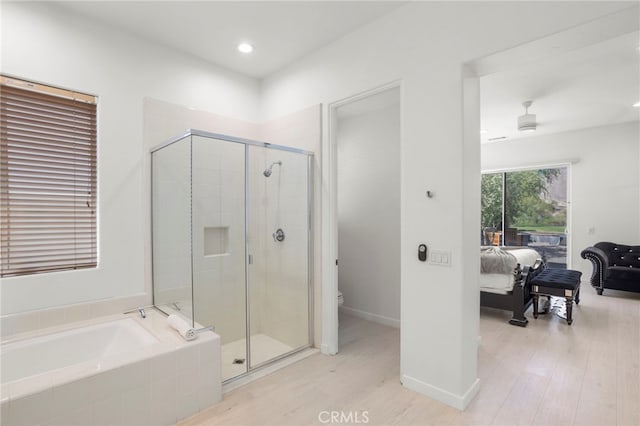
{"x": 47, "y": 179}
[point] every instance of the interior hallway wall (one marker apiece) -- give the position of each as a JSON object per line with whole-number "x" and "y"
{"x": 369, "y": 212}
{"x": 604, "y": 182}
{"x": 439, "y": 358}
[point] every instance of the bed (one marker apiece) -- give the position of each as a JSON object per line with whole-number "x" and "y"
{"x": 505, "y": 280}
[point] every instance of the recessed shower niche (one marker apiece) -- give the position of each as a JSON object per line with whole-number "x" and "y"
{"x": 216, "y": 240}
{"x": 218, "y": 203}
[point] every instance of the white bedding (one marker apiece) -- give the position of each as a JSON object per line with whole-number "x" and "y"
{"x": 525, "y": 257}
{"x": 496, "y": 283}
{"x": 503, "y": 283}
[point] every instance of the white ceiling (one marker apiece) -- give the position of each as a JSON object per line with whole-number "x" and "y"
{"x": 591, "y": 86}
{"x": 572, "y": 89}
{"x": 280, "y": 31}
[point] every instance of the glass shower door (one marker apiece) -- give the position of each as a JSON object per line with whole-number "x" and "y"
{"x": 218, "y": 245}
{"x": 171, "y": 225}
{"x": 278, "y": 249}
{"x": 231, "y": 241}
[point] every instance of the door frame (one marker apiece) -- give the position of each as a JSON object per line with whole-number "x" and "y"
{"x": 330, "y": 257}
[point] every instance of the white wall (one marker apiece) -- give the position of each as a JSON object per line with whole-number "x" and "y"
{"x": 42, "y": 43}
{"x": 604, "y": 181}
{"x": 425, "y": 44}
{"x": 369, "y": 213}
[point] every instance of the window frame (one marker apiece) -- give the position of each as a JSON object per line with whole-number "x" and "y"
{"x": 48, "y": 178}
{"x": 566, "y": 164}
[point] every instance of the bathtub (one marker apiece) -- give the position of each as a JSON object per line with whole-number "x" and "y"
{"x": 120, "y": 369}
{"x": 25, "y": 358}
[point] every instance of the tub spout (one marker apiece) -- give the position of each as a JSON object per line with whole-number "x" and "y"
{"x": 140, "y": 310}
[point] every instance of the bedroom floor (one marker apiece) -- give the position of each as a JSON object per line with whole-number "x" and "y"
{"x": 545, "y": 374}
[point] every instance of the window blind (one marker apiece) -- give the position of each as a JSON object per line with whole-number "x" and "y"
{"x": 47, "y": 179}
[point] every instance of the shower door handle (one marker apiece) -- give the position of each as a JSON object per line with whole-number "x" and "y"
{"x": 250, "y": 259}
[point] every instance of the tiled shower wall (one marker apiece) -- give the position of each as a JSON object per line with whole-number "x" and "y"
{"x": 280, "y": 201}
{"x": 218, "y": 203}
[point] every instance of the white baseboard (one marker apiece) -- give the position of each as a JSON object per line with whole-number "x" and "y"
{"x": 328, "y": 349}
{"x": 391, "y": 322}
{"x": 456, "y": 401}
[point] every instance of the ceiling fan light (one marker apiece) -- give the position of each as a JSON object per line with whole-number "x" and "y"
{"x": 527, "y": 123}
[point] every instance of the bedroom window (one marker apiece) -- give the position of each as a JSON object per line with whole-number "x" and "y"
{"x": 527, "y": 208}
{"x": 47, "y": 179}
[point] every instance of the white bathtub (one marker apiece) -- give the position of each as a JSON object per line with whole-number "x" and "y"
{"x": 116, "y": 370}
{"x": 38, "y": 355}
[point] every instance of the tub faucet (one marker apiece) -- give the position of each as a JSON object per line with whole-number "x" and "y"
{"x": 140, "y": 310}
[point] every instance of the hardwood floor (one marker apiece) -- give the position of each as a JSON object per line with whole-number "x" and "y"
{"x": 546, "y": 374}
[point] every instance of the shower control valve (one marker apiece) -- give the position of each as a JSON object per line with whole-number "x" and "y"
{"x": 278, "y": 235}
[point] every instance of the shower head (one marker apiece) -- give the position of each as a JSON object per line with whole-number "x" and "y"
{"x": 268, "y": 171}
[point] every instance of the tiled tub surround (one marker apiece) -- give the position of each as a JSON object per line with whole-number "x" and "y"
{"x": 140, "y": 372}
{"x": 23, "y": 322}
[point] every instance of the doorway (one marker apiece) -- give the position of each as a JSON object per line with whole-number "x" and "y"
{"x": 367, "y": 170}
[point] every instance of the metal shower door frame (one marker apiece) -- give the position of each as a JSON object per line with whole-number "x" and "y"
{"x": 247, "y": 143}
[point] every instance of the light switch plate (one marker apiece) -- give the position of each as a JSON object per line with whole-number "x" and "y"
{"x": 440, "y": 257}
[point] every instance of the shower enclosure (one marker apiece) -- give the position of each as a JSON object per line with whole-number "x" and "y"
{"x": 231, "y": 240}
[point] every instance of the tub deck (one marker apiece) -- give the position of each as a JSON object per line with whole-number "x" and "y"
{"x": 119, "y": 369}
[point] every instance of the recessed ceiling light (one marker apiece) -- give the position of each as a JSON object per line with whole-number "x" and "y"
{"x": 637, "y": 105}
{"x": 483, "y": 131}
{"x": 245, "y": 48}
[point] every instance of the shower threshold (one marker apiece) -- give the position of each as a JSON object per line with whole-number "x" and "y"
{"x": 263, "y": 348}
{"x": 269, "y": 367}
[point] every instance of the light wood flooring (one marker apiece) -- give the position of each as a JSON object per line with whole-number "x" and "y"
{"x": 546, "y": 374}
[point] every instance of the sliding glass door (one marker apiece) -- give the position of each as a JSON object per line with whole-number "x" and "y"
{"x": 527, "y": 208}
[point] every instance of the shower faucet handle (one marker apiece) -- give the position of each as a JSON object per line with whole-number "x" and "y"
{"x": 278, "y": 236}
